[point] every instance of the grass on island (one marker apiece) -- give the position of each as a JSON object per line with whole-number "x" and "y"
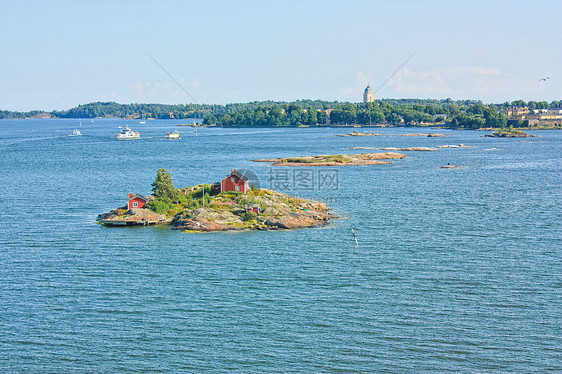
{"x": 340, "y": 159}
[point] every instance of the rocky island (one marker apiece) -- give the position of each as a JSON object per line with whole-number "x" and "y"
{"x": 454, "y": 146}
{"x": 230, "y": 204}
{"x": 430, "y": 135}
{"x": 509, "y": 133}
{"x": 335, "y": 160}
{"x": 356, "y": 133}
{"x": 410, "y": 149}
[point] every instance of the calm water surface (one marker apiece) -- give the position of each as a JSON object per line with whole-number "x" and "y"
{"x": 456, "y": 269}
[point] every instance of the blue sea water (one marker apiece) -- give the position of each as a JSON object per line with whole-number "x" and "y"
{"x": 456, "y": 270}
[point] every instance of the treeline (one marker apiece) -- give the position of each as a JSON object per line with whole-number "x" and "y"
{"x": 154, "y": 111}
{"x": 468, "y": 114}
{"x": 411, "y": 112}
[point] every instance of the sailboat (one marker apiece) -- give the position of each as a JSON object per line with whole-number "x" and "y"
{"x": 142, "y": 119}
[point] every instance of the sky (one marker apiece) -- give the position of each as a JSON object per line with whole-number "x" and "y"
{"x": 58, "y": 54}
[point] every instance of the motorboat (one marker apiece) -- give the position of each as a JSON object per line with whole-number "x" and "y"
{"x": 126, "y": 133}
{"x": 173, "y": 135}
{"x": 75, "y": 133}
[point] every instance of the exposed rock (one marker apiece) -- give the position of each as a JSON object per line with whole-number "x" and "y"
{"x": 135, "y": 216}
{"x": 448, "y": 166}
{"x": 454, "y": 146}
{"x": 414, "y": 149}
{"x": 509, "y": 134}
{"x": 355, "y": 133}
{"x": 200, "y": 224}
{"x": 430, "y": 135}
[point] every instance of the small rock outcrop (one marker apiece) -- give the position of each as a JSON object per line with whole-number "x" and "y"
{"x": 356, "y": 133}
{"x": 410, "y": 149}
{"x": 509, "y": 134}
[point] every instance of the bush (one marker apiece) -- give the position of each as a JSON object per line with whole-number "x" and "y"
{"x": 120, "y": 211}
{"x": 249, "y": 216}
{"x": 160, "y": 206}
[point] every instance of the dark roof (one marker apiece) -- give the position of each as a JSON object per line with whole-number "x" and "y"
{"x": 145, "y": 198}
{"x": 239, "y": 175}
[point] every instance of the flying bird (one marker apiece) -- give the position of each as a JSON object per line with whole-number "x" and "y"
{"x": 544, "y": 79}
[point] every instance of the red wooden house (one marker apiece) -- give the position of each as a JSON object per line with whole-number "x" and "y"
{"x": 235, "y": 181}
{"x": 138, "y": 201}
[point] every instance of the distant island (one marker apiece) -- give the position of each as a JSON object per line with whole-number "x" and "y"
{"x": 335, "y": 160}
{"x": 444, "y": 113}
{"x": 355, "y": 133}
{"x": 230, "y": 204}
{"x": 509, "y": 133}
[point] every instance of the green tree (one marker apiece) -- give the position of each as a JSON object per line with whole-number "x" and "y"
{"x": 322, "y": 117}
{"x": 311, "y": 116}
{"x": 163, "y": 187}
{"x": 393, "y": 118}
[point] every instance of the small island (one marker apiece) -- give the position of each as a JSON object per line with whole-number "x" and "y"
{"x": 335, "y": 160}
{"x": 410, "y": 149}
{"x": 509, "y": 133}
{"x": 230, "y": 204}
{"x": 454, "y": 146}
{"x": 355, "y": 133}
{"x": 430, "y": 135}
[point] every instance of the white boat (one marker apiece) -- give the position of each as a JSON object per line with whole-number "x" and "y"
{"x": 127, "y": 133}
{"x": 75, "y": 133}
{"x": 173, "y": 135}
{"x": 142, "y": 119}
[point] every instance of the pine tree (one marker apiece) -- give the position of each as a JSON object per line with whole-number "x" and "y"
{"x": 163, "y": 186}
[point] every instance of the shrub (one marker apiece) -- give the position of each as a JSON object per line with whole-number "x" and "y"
{"x": 120, "y": 211}
{"x": 160, "y": 206}
{"x": 249, "y": 216}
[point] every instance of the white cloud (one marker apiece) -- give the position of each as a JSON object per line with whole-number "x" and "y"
{"x": 465, "y": 81}
{"x": 159, "y": 91}
{"x": 363, "y": 78}
{"x": 195, "y": 83}
{"x": 355, "y": 93}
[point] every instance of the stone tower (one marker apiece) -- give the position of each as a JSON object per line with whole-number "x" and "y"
{"x": 368, "y": 95}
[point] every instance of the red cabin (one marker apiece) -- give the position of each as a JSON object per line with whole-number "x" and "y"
{"x": 137, "y": 201}
{"x": 235, "y": 181}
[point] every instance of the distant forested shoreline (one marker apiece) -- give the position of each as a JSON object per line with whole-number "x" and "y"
{"x": 467, "y": 114}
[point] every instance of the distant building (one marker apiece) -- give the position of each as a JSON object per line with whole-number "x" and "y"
{"x": 256, "y": 208}
{"x": 368, "y": 95}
